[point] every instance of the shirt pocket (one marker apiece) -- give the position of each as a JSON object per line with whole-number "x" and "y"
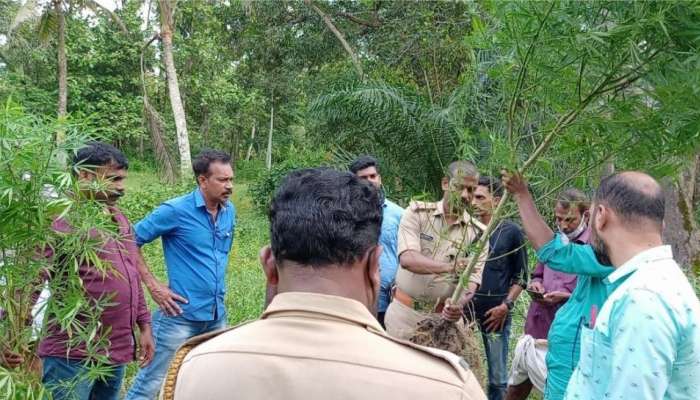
{"x": 224, "y": 239}
{"x": 427, "y": 243}
{"x": 595, "y": 361}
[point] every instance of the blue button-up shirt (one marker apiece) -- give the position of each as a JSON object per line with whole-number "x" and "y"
{"x": 196, "y": 251}
{"x": 645, "y": 342}
{"x": 388, "y": 260}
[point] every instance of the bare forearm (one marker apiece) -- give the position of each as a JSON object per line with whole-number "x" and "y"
{"x": 420, "y": 264}
{"x": 535, "y": 228}
{"x": 514, "y": 292}
{"x": 472, "y": 287}
{"x": 145, "y": 273}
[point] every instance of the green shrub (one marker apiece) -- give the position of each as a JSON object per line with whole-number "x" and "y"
{"x": 35, "y": 189}
{"x": 264, "y": 186}
{"x": 142, "y": 196}
{"x": 248, "y": 171}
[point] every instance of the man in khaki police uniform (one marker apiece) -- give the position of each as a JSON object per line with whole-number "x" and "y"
{"x": 319, "y": 339}
{"x": 434, "y": 246}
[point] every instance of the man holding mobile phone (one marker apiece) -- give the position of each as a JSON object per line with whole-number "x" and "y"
{"x": 549, "y": 290}
{"x": 562, "y": 252}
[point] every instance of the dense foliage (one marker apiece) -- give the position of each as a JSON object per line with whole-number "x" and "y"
{"x": 605, "y": 84}
{"x": 35, "y": 189}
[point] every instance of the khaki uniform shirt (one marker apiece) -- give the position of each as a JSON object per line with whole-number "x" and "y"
{"x": 314, "y": 346}
{"x": 423, "y": 228}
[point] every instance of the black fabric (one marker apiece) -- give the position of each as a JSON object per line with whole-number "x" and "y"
{"x": 380, "y": 318}
{"x": 505, "y": 267}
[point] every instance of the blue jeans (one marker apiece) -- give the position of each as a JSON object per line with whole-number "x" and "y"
{"x": 496, "y": 347}
{"x": 67, "y": 379}
{"x": 169, "y": 333}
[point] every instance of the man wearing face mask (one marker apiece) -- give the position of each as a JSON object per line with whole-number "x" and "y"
{"x": 571, "y": 217}
{"x": 318, "y": 338}
{"x": 434, "y": 243}
{"x": 561, "y": 253}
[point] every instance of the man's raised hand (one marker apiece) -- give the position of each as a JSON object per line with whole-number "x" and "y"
{"x": 514, "y": 182}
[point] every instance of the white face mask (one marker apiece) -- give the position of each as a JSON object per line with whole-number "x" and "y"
{"x": 568, "y": 237}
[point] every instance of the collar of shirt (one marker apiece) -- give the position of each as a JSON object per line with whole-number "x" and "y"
{"x": 333, "y": 306}
{"x": 466, "y": 219}
{"x": 640, "y": 261}
{"x": 199, "y": 200}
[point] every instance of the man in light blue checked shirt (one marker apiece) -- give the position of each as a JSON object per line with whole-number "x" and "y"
{"x": 644, "y": 343}
{"x": 366, "y": 167}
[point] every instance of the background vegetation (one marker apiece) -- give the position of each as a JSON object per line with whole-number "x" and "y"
{"x": 607, "y": 85}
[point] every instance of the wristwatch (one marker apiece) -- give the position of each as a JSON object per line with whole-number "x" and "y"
{"x": 509, "y": 303}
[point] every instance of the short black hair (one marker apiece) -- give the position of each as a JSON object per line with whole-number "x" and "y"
{"x": 363, "y": 162}
{"x": 320, "y": 217}
{"x": 575, "y": 197}
{"x": 200, "y": 164}
{"x": 633, "y": 195}
{"x": 97, "y": 154}
{"x": 464, "y": 168}
{"x": 495, "y": 186}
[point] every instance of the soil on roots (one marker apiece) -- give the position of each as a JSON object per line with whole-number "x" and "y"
{"x": 458, "y": 339}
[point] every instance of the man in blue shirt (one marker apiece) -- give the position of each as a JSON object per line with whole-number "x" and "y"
{"x": 365, "y": 167}
{"x": 197, "y": 233}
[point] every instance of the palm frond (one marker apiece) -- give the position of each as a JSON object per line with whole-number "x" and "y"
{"x": 27, "y": 12}
{"x": 397, "y": 125}
{"x": 48, "y": 26}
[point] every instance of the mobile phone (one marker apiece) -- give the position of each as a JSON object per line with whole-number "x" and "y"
{"x": 535, "y": 295}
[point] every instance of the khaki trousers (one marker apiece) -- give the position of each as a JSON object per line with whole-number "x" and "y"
{"x": 401, "y": 321}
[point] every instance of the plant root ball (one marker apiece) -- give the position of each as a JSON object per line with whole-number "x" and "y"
{"x": 441, "y": 334}
{"x": 456, "y": 338}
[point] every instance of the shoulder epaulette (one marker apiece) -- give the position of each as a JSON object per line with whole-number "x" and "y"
{"x": 168, "y": 390}
{"x": 423, "y": 206}
{"x": 458, "y": 364}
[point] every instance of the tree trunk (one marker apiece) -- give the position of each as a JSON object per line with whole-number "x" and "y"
{"x": 268, "y": 156}
{"x": 156, "y": 126}
{"x": 157, "y": 129}
{"x": 680, "y": 227}
{"x": 252, "y": 139}
{"x": 183, "y": 141}
{"x": 339, "y": 35}
{"x": 235, "y": 139}
{"x": 62, "y": 60}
